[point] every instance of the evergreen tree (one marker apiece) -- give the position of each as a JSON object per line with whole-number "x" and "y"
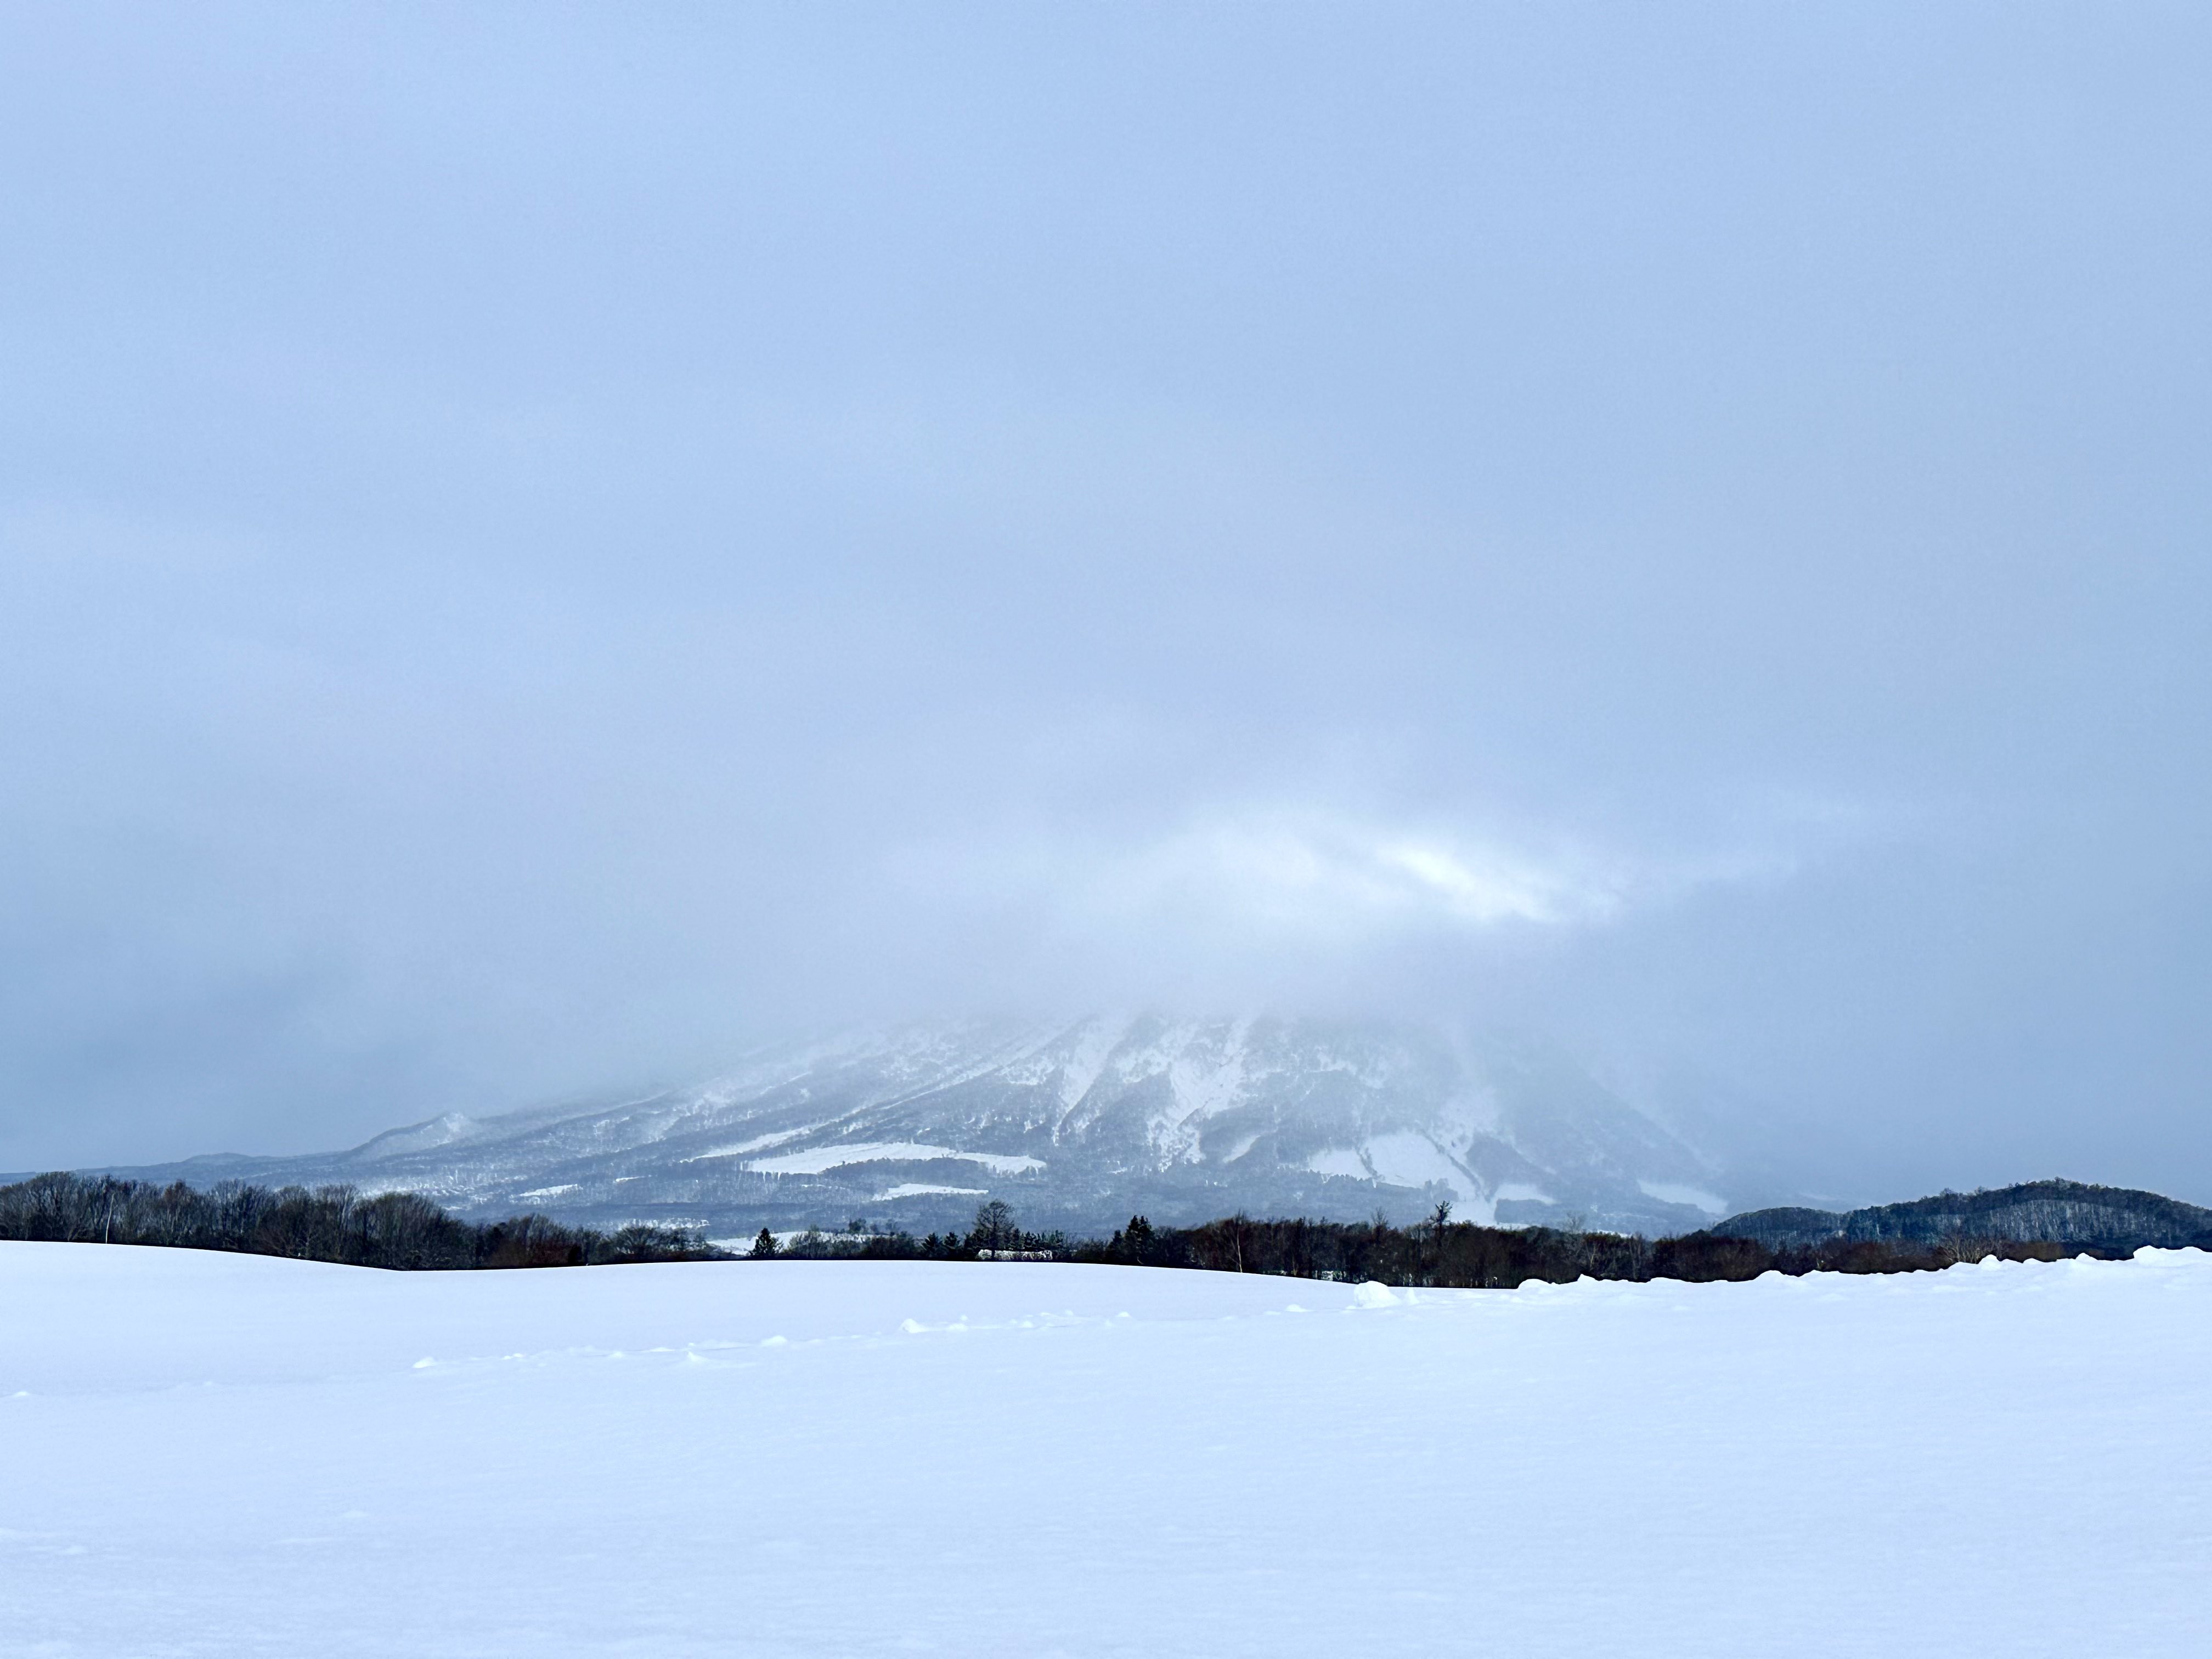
{"x": 1137, "y": 1239}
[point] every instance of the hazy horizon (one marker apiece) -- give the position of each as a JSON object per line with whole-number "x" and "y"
{"x": 541, "y": 549}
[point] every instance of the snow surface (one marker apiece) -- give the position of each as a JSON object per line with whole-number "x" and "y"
{"x": 1340, "y": 1161}
{"x": 925, "y": 1189}
{"x": 1406, "y": 1159}
{"x": 226, "y": 1455}
{"x": 816, "y": 1159}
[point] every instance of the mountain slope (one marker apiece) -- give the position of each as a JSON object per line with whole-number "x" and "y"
{"x": 1077, "y": 1126}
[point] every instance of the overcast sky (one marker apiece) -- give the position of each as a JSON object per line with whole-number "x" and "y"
{"x": 539, "y": 545}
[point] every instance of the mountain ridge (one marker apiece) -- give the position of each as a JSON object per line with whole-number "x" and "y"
{"x": 2056, "y": 1211}
{"x": 1077, "y": 1124}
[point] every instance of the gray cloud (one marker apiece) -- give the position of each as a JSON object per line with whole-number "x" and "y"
{"x": 533, "y": 551}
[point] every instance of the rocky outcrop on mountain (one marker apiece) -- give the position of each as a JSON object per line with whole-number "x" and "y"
{"x": 1077, "y": 1126}
{"x": 2112, "y": 1219}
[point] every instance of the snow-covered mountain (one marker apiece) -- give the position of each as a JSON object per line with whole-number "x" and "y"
{"x": 1076, "y": 1126}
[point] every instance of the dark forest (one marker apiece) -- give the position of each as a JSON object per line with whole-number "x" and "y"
{"x": 407, "y": 1231}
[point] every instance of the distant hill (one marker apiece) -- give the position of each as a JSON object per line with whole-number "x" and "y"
{"x": 2035, "y": 1212}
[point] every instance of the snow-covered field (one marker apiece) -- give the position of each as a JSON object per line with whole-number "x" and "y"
{"x": 224, "y": 1455}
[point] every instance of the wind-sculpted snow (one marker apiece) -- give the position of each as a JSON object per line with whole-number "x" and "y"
{"x": 1077, "y": 1126}
{"x": 245, "y": 1456}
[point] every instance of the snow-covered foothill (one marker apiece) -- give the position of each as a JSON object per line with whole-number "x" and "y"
{"x": 225, "y": 1454}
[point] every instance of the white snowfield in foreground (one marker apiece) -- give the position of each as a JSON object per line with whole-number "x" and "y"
{"x": 206, "y": 1454}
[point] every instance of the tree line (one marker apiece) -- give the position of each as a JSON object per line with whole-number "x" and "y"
{"x": 1437, "y": 1251}
{"x": 1448, "y": 1254}
{"x": 329, "y": 1224}
{"x": 993, "y": 1236}
{"x": 409, "y": 1231}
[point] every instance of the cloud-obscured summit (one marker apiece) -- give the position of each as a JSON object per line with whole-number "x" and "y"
{"x": 1076, "y": 1125}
